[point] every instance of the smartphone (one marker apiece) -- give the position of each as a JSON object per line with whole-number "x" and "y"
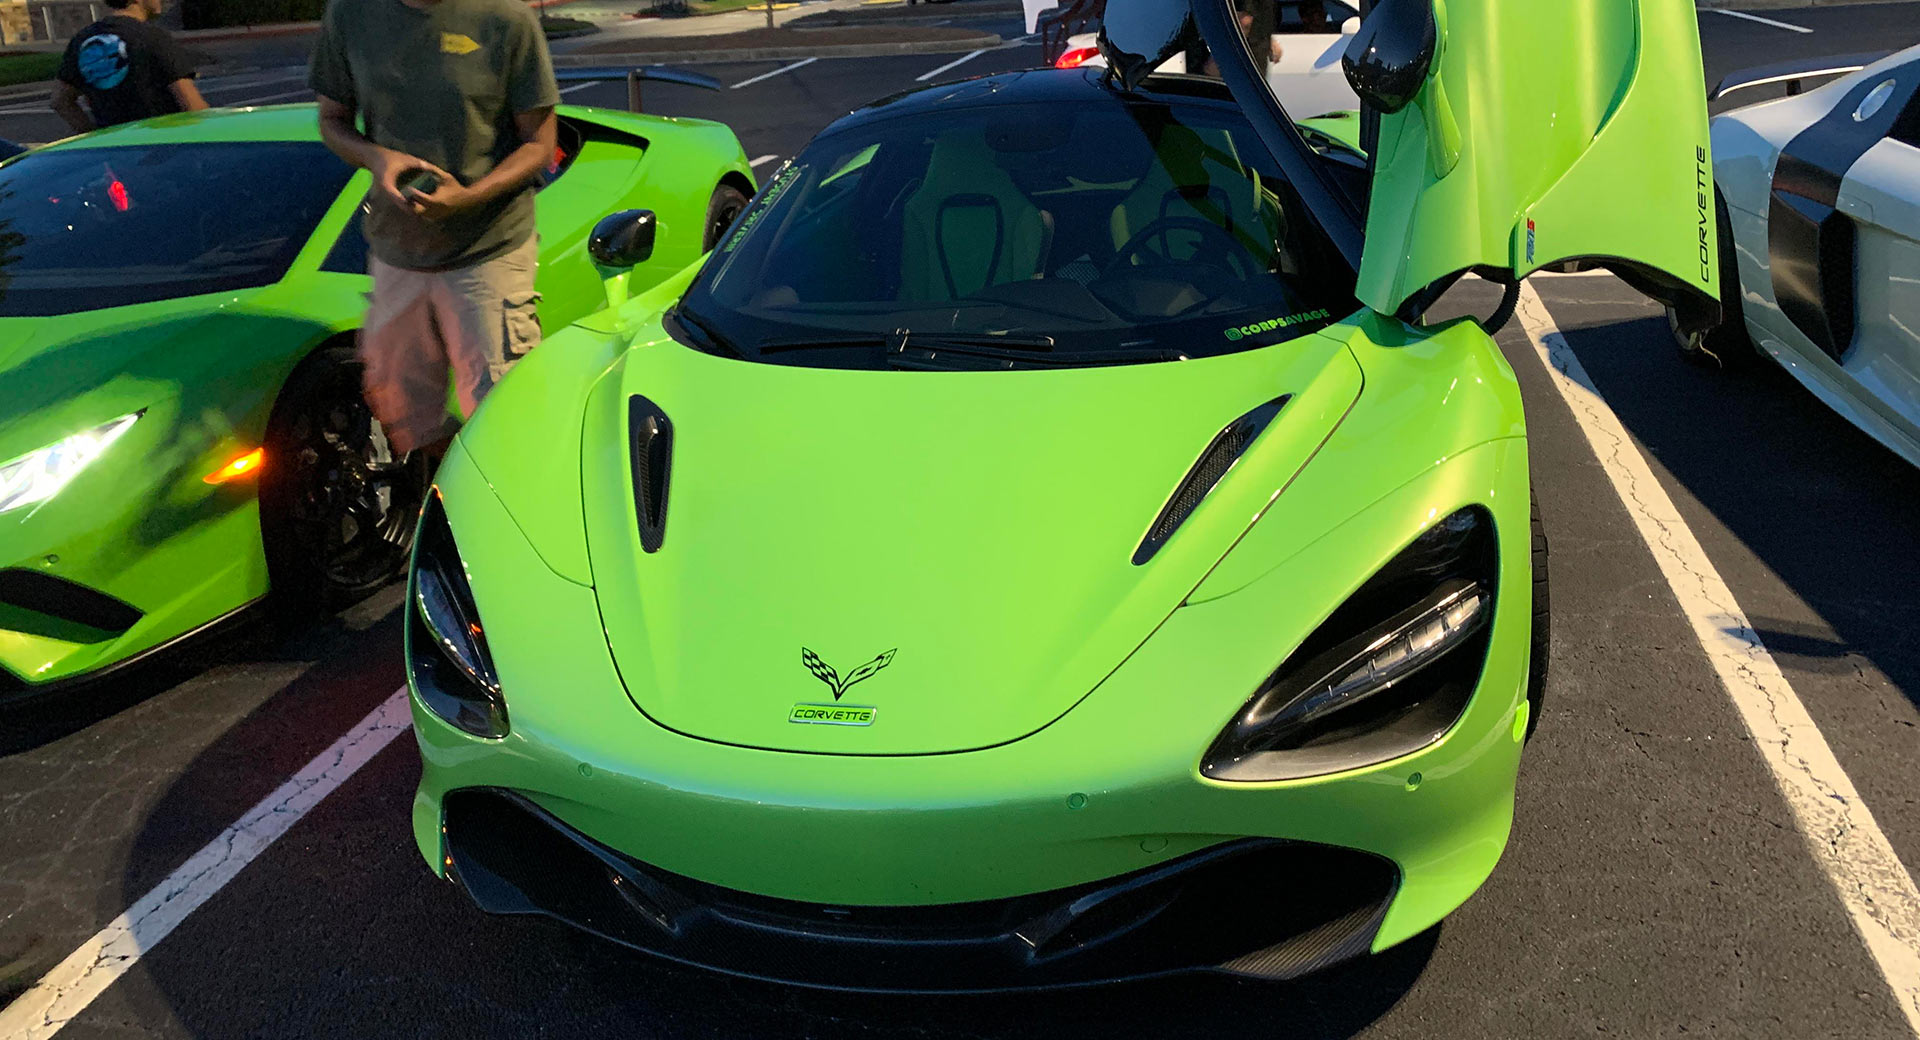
{"x": 422, "y": 181}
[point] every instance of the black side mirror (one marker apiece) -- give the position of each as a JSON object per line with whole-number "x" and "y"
{"x": 1138, "y": 36}
{"x": 623, "y": 239}
{"x": 1388, "y": 60}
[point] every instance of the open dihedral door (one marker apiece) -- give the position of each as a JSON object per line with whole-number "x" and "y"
{"x": 1513, "y": 134}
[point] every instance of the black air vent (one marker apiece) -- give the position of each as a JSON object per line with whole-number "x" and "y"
{"x": 66, "y": 601}
{"x": 1227, "y": 447}
{"x": 652, "y": 459}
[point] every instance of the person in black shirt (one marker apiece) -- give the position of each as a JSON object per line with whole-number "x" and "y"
{"x": 126, "y": 68}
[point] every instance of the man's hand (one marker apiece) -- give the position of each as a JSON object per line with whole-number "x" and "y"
{"x": 447, "y": 199}
{"x": 388, "y": 166}
{"x": 66, "y": 103}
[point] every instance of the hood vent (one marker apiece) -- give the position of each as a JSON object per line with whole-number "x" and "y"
{"x": 652, "y": 435}
{"x": 1227, "y": 447}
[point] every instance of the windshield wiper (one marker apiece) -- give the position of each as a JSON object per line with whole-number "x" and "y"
{"x": 898, "y": 341}
{"x": 716, "y": 343}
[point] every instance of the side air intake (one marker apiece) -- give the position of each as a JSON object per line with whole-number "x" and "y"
{"x": 652, "y": 437}
{"x": 1227, "y": 447}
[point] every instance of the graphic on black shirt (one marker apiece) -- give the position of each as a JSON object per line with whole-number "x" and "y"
{"x": 103, "y": 61}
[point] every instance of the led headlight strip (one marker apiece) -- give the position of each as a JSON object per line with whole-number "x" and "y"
{"x": 1387, "y": 674}
{"x": 37, "y": 476}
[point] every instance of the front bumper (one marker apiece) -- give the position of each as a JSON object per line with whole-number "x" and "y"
{"x": 1262, "y": 908}
{"x": 1104, "y": 797}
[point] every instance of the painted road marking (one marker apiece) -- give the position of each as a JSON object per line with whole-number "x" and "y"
{"x": 762, "y": 161}
{"x": 66, "y": 991}
{"x": 1875, "y": 886}
{"x": 1763, "y": 21}
{"x": 577, "y": 86}
{"x": 802, "y": 63}
{"x": 955, "y": 63}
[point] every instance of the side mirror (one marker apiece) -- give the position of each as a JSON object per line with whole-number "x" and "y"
{"x": 1350, "y": 26}
{"x": 1139, "y": 36}
{"x": 1388, "y": 59}
{"x": 623, "y": 239}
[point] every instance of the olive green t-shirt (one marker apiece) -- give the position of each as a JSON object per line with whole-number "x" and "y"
{"x": 441, "y": 83}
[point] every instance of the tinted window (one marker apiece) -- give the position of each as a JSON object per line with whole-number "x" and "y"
{"x": 83, "y": 229}
{"x": 1120, "y": 230}
{"x": 1311, "y": 16}
{"x": 349, "y": 252}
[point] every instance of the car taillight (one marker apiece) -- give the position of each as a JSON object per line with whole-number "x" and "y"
{"x": 1076, "y": 57}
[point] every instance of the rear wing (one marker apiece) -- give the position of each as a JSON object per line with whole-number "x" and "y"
{"x": 635, "y": 75}
{"x": 1793, "y": 73}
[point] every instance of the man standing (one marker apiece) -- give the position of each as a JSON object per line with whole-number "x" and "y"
{"x": 126, "y": 68}
{"x": 449, "y": 104}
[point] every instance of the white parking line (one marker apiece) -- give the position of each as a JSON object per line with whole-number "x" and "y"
{"x": 1878, "y": 892}
{"x": 802, "y": 63}
{"x": 763, "y": 160}
{"x": 577, "y": 86}
{"x": 1763, "y": 21}
{"x": 73, "y": 984}
{"x": 955, "y": 63}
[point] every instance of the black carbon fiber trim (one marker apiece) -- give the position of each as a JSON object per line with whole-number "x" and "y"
{"x": 1298, "y": 905}
{"x": 1214, "y": 463}
{"x": 68, "y": 601}
{"x": 1810, "y": 244}
{"x": 652, "y": 435}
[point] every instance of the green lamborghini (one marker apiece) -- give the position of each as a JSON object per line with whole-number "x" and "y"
{"x": 1045, "y": 542}
{"x": 180, "y": 418}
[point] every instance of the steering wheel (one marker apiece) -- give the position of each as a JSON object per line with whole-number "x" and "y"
{"x": 1216, "y": 245}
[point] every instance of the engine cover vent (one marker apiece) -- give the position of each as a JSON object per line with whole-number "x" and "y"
{"x": 652, "y": 435}
{"x": 1227, "y": 447}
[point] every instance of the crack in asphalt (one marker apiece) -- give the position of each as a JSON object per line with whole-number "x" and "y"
{"x": 1877, "y": 889}
{"x": 71, "y": 986}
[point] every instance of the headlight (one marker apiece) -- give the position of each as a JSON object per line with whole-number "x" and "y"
{"x": 1386, "y": 675}
{"x": 447, "y": 651}
{"x": 37, "y": 476}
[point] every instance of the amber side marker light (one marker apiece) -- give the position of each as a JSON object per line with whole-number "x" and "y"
{"x": 244, "y": 466}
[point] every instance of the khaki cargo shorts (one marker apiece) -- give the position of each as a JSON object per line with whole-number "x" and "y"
{"x": 474, "y": 323}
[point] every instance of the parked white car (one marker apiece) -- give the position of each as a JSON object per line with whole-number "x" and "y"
{"x": 1820, "y": 240}
{"x": 1309, "y": 38}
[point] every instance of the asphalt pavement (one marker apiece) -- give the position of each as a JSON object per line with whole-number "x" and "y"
{"x": 1657, "y": 883}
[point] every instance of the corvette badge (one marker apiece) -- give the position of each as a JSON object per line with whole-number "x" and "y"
{"x": 825, "y": 672}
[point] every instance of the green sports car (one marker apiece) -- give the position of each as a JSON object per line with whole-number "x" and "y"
{"x": 1045, "y": 543}
{"x": 180, "y": 418}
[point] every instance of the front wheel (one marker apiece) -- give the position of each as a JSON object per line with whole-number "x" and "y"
{"x": 337, "y": 507}
{"x": 723, "y": 209}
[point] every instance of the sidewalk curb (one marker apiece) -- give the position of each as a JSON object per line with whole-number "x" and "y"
{"x": 843, "y": 50}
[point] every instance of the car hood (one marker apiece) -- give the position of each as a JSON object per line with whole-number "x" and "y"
{"x": 50, "y": 368}
{"x": 951, "y": 550}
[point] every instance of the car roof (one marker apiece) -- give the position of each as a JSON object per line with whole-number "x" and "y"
{"x": 1043, "y": 86}
{"x": 264, "y": 123}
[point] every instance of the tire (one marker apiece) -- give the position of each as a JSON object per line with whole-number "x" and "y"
{"x": 722, "y": 210}
{"x": 1541, "y": 652}
{"x": 1725, "y": 346}
{"x": 337, "y": 510}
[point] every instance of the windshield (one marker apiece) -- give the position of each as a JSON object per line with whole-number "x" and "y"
{"x": 82, "y": 229}
{"x": 1020, "y": 235}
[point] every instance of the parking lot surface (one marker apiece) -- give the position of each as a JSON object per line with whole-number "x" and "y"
{"x": 1658, "y": 883}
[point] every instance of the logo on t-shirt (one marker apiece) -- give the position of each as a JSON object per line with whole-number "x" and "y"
{"x": 454, "y": 43}
{"x": 103, "y": 61}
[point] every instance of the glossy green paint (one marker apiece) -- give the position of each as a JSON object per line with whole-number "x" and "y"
{"x": 1043, "y": 717}
{"x": 1130, "y": 738}
{"x": 141, "y": 523}
{"x": 1546, "y": 132}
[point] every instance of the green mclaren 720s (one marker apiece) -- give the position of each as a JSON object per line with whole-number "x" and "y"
{"x": 1046, "y": 542}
